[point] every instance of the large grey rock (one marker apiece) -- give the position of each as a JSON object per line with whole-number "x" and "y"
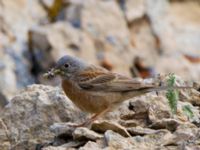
{"x": 29, "y": 115}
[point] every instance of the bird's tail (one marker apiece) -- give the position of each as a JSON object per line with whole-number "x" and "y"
{"x": 163, "y": 88}
{"x": 145, "y": 90}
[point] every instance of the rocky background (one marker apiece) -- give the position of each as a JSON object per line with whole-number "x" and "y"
{"x": 139, "y": 38}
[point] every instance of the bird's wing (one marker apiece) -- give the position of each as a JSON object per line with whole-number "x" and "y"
{"x": 98, "y": 79}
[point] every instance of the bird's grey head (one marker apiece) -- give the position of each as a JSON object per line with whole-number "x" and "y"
{"x": 66, "y": 67}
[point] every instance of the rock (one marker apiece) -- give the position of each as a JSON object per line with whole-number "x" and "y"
{"x": 116, "y": 141}
{"x": 186, "y": 70}
{"x": 3, "y": 100}
{"x": 118, "y": 112}
{"x": 138, "y": 103}
{"x": 170, "y": 124}
{"x": 151, "y": 141}
{"x": 167, "y": 21}
{"x": 91, "y": 145}
{"x": 69, "y": 146}
{"x": 129, "y": 123}
{"x": 134, "y": 9}
{"x": 73, "y": 14}
{"x": 54, "y": 148}
{"x": 103, "y": 126}
{"x": 140, "y": 131}
{"x": 110, "y": 24}
{"x": 162, "y": 137}
{"x": 14, "y": 38}
{"x": 192, "y": 96}
{"x": 183, "y": 116}
{"x": 30, "y": 16}
{"x": 186, "y": 133}
{"x": 110, "y": 33}
{"x": 174, "y": 16}
{"x": 62, "y": 128}
{"x": 78, "y": 42}
{"x": 49, "y": 43}
{"x": 158, "y": 108}
{"x": 56, "y": 35}
{"x": 124, "y": 116}
{"x": 8, "y": 81}
{"x": 85, "y": 134}
{"x": 135, "y": 116}
{"x": 192, "y": 147}
{"x": 153, "y": 109}
{"x": 144, "y": 40}
{"x": 26, "y": 117}
{"x": 5, "y": 146}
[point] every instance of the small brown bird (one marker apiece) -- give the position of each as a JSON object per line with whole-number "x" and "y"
{"x": 94, "y": 89}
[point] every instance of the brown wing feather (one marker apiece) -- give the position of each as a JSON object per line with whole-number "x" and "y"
{"x": 98, "y": 79}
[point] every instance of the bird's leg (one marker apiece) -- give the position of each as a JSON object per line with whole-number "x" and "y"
{"x": 92, "y": 119}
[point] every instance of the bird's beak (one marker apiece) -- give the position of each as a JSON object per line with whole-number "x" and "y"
{"x": 52, "y": 73}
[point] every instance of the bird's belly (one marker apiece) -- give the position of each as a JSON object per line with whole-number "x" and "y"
{"x": 88, "y": 101}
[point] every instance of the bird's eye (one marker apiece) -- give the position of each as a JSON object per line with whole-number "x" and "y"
{"x": 66, "y": 65}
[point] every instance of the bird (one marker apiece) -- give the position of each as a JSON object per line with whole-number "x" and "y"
{"x": 94, "y": 89}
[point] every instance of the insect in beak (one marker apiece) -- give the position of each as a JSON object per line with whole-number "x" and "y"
{"x": 51, "y": 73}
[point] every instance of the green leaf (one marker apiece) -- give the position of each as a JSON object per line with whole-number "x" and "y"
{"x": 188, "y": 111}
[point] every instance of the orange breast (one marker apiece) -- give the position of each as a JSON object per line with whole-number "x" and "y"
{"x": 86, "y": 100}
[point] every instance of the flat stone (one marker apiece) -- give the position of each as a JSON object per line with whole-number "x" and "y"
{"x": 170, "y": 124}
{"x": 85, "y": 134}
{"x": 140, "y": 131}
{"x": 103, "y": 126}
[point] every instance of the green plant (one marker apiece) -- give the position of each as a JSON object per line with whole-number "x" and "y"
{"x": 172, "y": 94}
{"x": 173, "y": 97}
{"x": 188, "y": 111}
